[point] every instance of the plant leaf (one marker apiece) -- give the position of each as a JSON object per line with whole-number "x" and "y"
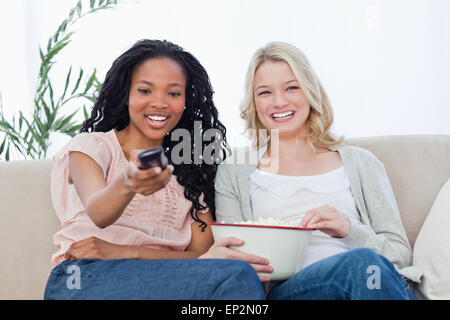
{"x": 78, "y": 8}
{"x": 26, "y": 135}
{"x": 67, "y": 36}
{"x": 78, "y": 81}
{"x": 63, "y": 26}
{"x": 70, "y": 128}
{"x": 61, "y": 122}
{"x": 41, "y": 94}
{"x": 71, "y": 13}
{"x": 40, "y": 126}
{"x": 93, "y": 99}
{"x": 43, "y": 76}
{"x": 41, "y": 53}
{"x": 48, "y": 114}
{"x": 30, "y": 136}
{"x": 49, "y": 43}
{"x": 50, "y": 90}
{"x": 56, "y": 49}
{"x": 86, "y": 115}
{"x": 6, "y": 125}
{"x": 7, "y": 153}
{"x": 2, "y": 146}
{"x": 20, "y": 121}
{"x": 66, "y": 84}
{"x": 90, "y": 81}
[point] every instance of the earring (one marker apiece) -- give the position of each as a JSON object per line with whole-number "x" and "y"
{"x": 184, "y": 107}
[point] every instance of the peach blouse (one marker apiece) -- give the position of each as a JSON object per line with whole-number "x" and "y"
{"x": 158, "y": 221}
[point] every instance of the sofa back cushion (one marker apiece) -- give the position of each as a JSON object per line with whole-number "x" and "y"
{"x": 432, "y": 249}
{"x": 27, "y": 224}
{"x": 418, "y": 166}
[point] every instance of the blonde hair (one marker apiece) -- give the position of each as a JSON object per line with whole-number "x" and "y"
{"x": 320, "y": 118}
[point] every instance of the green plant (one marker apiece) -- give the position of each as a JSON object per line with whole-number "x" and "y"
{"x": 30, "y": 135}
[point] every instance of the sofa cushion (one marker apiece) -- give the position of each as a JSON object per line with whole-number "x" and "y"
{"x": 417, "y": 166}
{"x": 27, "y": 224}
{"x": 432, "y": 249}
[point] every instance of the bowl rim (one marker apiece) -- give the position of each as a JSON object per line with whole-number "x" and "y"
{"x": 259, "y": 226}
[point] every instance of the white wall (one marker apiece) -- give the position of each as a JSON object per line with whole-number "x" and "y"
{"x": 384, "y": 63}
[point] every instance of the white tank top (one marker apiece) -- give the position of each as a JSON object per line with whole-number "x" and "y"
{"x": 289, "y": 198}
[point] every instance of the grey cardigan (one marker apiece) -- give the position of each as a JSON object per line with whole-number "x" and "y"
{"x": 381, "y": 228}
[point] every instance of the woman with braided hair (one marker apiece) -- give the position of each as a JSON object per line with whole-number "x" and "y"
{"x": 129, "y": 233}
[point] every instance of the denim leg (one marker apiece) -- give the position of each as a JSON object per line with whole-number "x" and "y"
{"x": 153, "y": 279}
{"x": 356, "y": 274}
{"x": 410, "y": 292}
{"x": 234, "y": 280}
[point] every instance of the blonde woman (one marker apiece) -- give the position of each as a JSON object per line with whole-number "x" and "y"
{"x": 304, "y": 174}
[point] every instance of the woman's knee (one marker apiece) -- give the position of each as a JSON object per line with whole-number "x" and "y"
{"x": 369, "y": 259}
{"x": 240, "y": 280}
{"x": 238, "y": 269}
{"x": 363, "y": 253}
{"x": 366, "y": 254}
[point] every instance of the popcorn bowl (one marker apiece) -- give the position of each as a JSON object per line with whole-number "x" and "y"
{"x": 283, "y": 246}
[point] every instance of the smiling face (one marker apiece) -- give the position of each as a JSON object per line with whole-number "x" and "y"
{"x": 280, "y": 103}
{"x": 156, "y": 99}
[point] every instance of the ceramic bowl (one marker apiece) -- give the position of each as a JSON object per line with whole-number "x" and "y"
{"x": 283, "y": 246}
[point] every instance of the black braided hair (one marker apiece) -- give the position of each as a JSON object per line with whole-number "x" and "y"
{"x": 109, "y": 112}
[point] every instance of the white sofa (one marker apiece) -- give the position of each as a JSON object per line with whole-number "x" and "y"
{"x": 418, "y": 166}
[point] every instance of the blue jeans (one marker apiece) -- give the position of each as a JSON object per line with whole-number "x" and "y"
{"x": 358, "y": 274}
{"x": 128, "y": 279}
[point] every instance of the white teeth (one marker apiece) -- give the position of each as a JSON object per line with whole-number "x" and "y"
{"x": 157, "y": 118}
{"x": 282, "y": 115}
